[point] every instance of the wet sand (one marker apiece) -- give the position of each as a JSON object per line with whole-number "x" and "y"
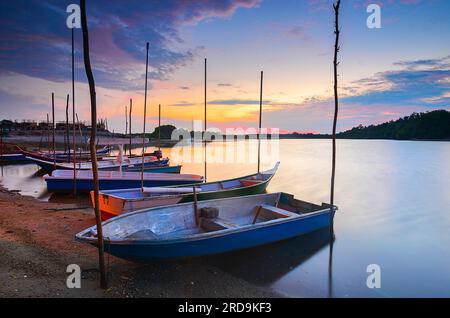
{"x": 37, "y": 243}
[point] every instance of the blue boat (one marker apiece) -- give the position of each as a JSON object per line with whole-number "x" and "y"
{"x": 62, "y": 180}
{"x": 13, "y": 158}
{"x": 208, "y": 227}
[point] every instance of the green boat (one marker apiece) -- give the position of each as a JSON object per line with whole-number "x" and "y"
{"x": 117, "y": 202}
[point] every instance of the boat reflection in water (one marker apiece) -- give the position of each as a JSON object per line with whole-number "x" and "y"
{"x": 265, "y": 265}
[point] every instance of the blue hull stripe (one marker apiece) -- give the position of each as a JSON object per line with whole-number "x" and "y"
{"x": 87, "y": 185}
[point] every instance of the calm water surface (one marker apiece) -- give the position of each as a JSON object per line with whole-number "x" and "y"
{"x": 394, "y": 211}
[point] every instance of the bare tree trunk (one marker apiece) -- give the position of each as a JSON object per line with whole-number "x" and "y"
{"x": 333, "y": 160}
{"x": 336, "y": 108}
{"x": 87, "y": 65}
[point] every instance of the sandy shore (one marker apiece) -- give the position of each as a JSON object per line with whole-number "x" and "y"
{"x": 37, "y": 243}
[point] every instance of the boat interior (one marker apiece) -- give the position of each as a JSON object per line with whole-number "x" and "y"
{"x": 184, "y": 220}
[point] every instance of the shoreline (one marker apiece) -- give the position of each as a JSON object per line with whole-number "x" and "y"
{"x": 37, "y": 243}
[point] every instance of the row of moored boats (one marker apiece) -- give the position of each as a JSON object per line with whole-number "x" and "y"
{"x": 153, "y": 211}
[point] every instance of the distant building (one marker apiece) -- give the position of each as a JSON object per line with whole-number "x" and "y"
{"x": 30, "y": 125}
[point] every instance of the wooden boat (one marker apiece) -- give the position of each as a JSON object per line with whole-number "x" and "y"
{"x": 106, "y": 165}
{"x": 116, "y": 202}
{"x": 224, "y": 225}
{"x": 79, "y": 154}
{"x": 62, "y": 180}
{"x": 60, "y": 156}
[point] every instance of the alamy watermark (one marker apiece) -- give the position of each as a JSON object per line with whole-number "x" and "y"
{"x": 234, "y": 145}
{"x": 74, "y": 278}
{"x": 374, "y": 19}
{"x": 374, "y": 278}
{"x": 73, "y": 20}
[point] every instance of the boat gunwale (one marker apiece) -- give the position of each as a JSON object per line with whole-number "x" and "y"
{"x": 81, "y": 236}
{"x": 69, "y": 165}
{"x": 124, "y": 177}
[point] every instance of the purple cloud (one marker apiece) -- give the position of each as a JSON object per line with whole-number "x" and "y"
{"x": 35, "y": 40}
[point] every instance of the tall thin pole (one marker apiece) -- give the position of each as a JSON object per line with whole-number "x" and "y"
{"x": 48, "y": 133}
{"x": 74, "y": 146}
{"x": 1, "y": 144}
{"x": 204, "y": 127}
{"x": 126, "y": 120}
{"x": 333, "y": 160}
{"x": 126, "y": 124}
{"x": 260, "y": 121}
{"x": 53, "y": 130}
{"x": 90, "y": 77}
{"x": 66, "y": 130}
{"x": 131, "y": 109}
{"x": 81, "y": 134}
{"x": 336, "y": 109}
{"x": 159, "y": 127}
{"x": 145, "y": 114}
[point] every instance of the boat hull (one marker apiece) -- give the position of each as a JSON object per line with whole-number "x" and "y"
{"x": 144, "y": 252}
{"x": 86, "y": 185}
{"x": 13, "y": 158}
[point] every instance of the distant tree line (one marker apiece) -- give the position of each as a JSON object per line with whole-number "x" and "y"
{"x": 430, "y": 125}
{"x": 433, "y": 125}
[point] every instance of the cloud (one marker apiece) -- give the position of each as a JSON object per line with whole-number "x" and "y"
{"x": 36, "y": 42}
{"x": 419, "y": 82}
{"x": 183, "y": 104}
{"x": 224, "y": 85}
{"x": 231, "y": 102}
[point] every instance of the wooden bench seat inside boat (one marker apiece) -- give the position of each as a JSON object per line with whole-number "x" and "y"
{"x": 216, "y": 224}
{"x": 250, "y": 182}
{"x": 269, "y": 212}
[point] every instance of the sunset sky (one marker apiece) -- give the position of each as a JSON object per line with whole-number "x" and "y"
{"x": 385, "y": 73}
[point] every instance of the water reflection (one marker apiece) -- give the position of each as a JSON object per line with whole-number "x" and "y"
{"x": 266, "y": 264}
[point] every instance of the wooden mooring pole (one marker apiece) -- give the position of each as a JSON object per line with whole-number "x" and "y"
{"x": 336, "y": 109}
{"x": 90, "y": 77}
{"x": 74, "y": 145}
{"x": 145, "y": 115}
{"x": 131, "y": 109}
{"x": 260, "y": 121}
{"x": 66, "y": 130}
{"x": 336, "y": 7}
{"x": 159, "y": 127}
{"x": 53, "y": 130}
{"x": 204, "y": 124}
